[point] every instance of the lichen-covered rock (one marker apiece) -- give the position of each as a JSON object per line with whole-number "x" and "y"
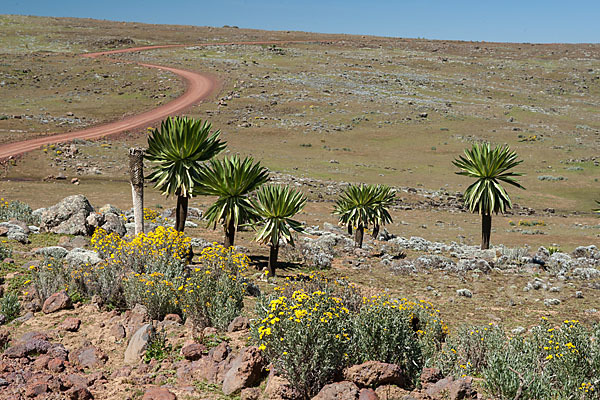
{"x": 68, "y": 216}
{"x": 79, "y": 256}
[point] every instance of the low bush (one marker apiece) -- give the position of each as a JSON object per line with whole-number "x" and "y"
{"x": 155, "y": 291}
{"x": 5, "y": 252}
{"x": 548, "y": 363}
{"x": 10, "y": 306}
{"x": 17, "y": 210}
{"x": 48, "y": 277}
{"x": 213, "y": 293}
{"x": 310, "y": 336}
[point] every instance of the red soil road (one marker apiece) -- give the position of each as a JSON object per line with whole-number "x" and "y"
{"x": 199, "y": 86}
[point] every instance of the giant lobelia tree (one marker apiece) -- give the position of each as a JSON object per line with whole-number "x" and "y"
{"x": 275, "y": 206}
{"x": 231, "y": 180}
{"x": 490, "y": 167}
{"x": 176, "y": 152}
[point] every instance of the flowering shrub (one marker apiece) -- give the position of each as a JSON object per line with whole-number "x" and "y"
{"x": 5, "y": 252}
{"x": 155, "y": 291}
{"x": 311, "y": 336}
{"x": 17, "y": 210}
{"x": 549, "y": 363}
{"x": 213, "y": 293}
{"x": 48, "y": 277}
{"x": 163, "y": 250}
{"x": 306, "y": 338}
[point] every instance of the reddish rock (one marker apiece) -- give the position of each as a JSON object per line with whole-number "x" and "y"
{"x": 79, "y": 393}
{"x": 246, "y": 370}
{"x": 118, "y": 331}
{"x": 375, "y": 373}
{"x": 431, "y": 375}
{"x": 70, "y": 325}
{"x": 279, "y": 388}
{"x": 338, "y": 391}
{"x": 56, "y": 365}
{"x": 74, "y": 381}
{"x": 220, "y": 352}
{"x": 239, "y": 323}
{"x": 57, "y": 301}
{"x": 393, "y": 392}
{"x": 158, "y": 393}
{"x": 193, "y": 351}
{"x": 173, "y": 318}
{"x": 462, "y": 389}
{"x": 41, "y": 362}
{"x": 36, "y": 389}
{"x": 437, "y": 389}
{"x": 88, "y": 357}
{"x": 367, "y": 394}
{"x": 250, "y": 394}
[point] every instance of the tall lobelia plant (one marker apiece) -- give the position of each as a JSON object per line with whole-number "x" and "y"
{"x": 363, "y": 206}
{"x": 275, "y": 206}
{"x": 490, "y": 167}
{"x": 231, "y": 180}
{"x": 176, "y": 152}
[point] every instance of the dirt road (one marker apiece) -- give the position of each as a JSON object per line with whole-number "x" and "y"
{"x": 199, "y": 86}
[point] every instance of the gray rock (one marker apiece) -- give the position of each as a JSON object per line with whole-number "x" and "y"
{"x": 52, "y": 251}
{"x": 464, "y": 293}
{"x": 14, "y": 232}
{"x": 109, "y": 208}
{"x": 586, "y": 273}
{"x": 68, "y": 216}
{"x": 551, "y": 302}
{"x": 518, "y": 330}
{"x": 114, "y": 223}
{"x": 138, "y": 343}
{"x": 200, "y": 243}
{"x": 79, "y": 256}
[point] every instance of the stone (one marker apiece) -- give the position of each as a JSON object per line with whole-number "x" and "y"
{"x": 464, "y": 293}
{"x": 239, "y": 323}
{"x": 367, "y": 394}
{"x": 551, "y": 302}
{"x": 193, "y": 351}
{"x": 138, "y": 344}
{"x": 159, "y": 393}
{"x": 57, "y": 301}
{"x": 68, "y": 217}
{"x": 393, "y": 392}
{"x": 114, "y": 224}
{"x": 579, "y": 294}
{"x": 36, "y": 389}
{"x": 109, "y": 208}
{"x": 70, "y": 324}
{"x": 52, "y": 251}
{"x": 430, "y": 375}
{"x": 338, "y": 391}
{"x": 436, "y": 389}
{"x": 88, "y": 357}
{"x": 79, "y": 256}
{"x": 279, "y": 388}
{"x": 79, "y": 393}
{"x": 56, "y": 365}
{"x": 173, "y": 318}
{"x": 220, "y": 352}
{"x": 95, "y": 220}
{"x": 375, "y": 373}
{"x": 117, "y": 331}
{"x": 246, "y": 370}
{"x": 462, "y": 389}
{"x": 250, "y": 394}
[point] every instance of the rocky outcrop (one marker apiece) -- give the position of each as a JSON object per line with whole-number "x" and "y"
{"x": 68, "y": 217}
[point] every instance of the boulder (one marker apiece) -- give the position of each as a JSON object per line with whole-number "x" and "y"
{"x": 239, "y": 323}
{"x": 279, "y": 388}
{"x": 375, "y": 373}
{"x": 52, "y": 251}
{"x": 250, "y": 394}
{"x": 138, "y": 344}
{"x": 79, "y": 256}
{"x": 193, "y": 351}
{"x": 57, "y": 301}
{"x": 109, "y": 208}
{"x": 68, "y": 216}
{"x": 13, "y": 232}
{"x": 159, "y": 393}
{"x": 462, "y": 389}
{"x": 367, "y": 394}
{"x": 338, "y": 391}
{"x": 246, "y": 370}
{"x": 88, "y": 357}
{"x": 70, "y": 324}
{"x": 114, "y": 224}
{"x": 431, "y": 375}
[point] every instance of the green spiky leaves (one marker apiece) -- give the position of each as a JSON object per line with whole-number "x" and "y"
{"x": 276, "y": 205}
{"x": 364, "y": 205}
{"x": 491, "y": 167}
{"x": 177, "y": 151}
{"x": 231, "y": 180}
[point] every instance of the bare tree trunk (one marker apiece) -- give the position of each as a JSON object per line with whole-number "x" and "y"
{"x": 349, "y": 229}
{"x": 181, "y": 213}
{"x": 375, "y": 231}
{"x": 136, "y": 172}
{"x": 486, "y": 231}
{"x": 273, "y": 254}
{"x": 358, "y": 236}
{"x": 229, "y": 234}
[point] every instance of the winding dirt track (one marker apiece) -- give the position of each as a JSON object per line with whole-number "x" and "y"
{"x": 199, "y": 86}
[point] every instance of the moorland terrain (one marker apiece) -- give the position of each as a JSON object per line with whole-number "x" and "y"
{"x": 321, "y": 111}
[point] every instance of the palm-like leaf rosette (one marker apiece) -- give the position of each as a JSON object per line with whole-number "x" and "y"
{"x": 490, "y": 167}
{"x": 276, "y": 205}
{"x": 231, "y": 180}
{"x": 177, "y": 151}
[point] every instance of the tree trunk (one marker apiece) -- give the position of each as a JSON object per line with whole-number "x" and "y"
{"x": 358, "y": 236}
{"x": 229, "y": 234}
{"x": 273, "y": 253}
{"x": 350, "y": 229}
{"x": 181, "y": 213}
{"x": 375, "y": 231}
{"x": 486, "y": 231}
{"x": 136, "y": 173}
